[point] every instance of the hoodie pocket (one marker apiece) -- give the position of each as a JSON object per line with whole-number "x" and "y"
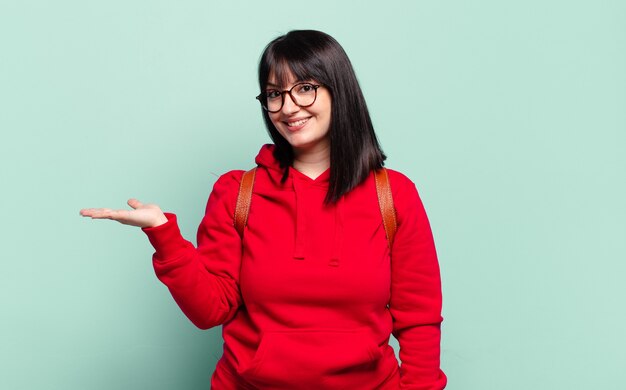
{"x": 289, "y": 359}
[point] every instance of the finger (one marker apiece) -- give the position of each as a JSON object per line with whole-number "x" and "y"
{"x": 134, "y": 203}
{"x": 83, "y": 212}
{"x": 119, "y": 215}
{"x": 88, "y": 212}
{"x": 116, "y": 215}
{"x": 100, "y": 213}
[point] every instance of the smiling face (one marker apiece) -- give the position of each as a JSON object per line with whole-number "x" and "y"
{"x": 305, "y": 128}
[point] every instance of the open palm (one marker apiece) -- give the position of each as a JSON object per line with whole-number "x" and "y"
{"x": 141, "y": 215}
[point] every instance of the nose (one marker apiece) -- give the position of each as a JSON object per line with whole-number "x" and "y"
{"x": 289, "y": 106}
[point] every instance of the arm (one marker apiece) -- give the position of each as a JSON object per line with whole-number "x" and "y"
{"x": 415, "y": 291}
{"x": 203, "y": 281}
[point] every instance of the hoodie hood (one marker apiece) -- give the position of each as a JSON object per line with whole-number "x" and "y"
{"x": 305, "y": 190}
{"x": 266, "y": 160}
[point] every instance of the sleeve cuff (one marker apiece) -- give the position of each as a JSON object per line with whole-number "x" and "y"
{"x": 166, "y": 238}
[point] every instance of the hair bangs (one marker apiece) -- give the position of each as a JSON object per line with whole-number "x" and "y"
{"x": 288, "y": 59}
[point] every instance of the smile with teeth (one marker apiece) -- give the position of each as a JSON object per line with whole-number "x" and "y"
{"x": 297, "y": 123}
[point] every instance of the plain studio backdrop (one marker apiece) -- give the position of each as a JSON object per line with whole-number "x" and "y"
{"x": 510, "y": 116}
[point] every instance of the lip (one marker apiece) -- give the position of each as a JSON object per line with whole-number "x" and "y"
{"x": 296, "y": 128}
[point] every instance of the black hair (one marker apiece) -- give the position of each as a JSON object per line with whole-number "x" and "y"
{"x": 354, "y": 148}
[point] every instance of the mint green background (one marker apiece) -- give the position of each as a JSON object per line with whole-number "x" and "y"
{"x": 509, "y": 116}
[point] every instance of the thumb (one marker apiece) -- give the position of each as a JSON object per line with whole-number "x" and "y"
{"x": 134, "y": 203}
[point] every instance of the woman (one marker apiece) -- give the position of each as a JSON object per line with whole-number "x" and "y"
{"x": 310, "y": 295}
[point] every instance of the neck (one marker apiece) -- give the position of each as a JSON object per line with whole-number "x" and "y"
{"x": 312, "y": 163}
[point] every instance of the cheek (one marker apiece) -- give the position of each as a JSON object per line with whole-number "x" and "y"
{"x": 329, "y": 116}
{"x": 274, "y": 120}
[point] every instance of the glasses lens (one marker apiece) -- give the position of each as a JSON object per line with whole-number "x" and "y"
{"x": 273, "y": 100}
{"x": 304, "y": 94}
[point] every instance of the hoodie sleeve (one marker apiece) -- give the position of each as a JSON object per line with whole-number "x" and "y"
{"x": 204, "y": 281}
{"x": 415, "y": 291}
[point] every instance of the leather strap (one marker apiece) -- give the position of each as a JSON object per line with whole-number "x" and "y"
{"x": 385, "y": 200}
{"x": 244, "y": 198}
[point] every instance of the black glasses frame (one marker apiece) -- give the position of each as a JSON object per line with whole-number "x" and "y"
{"x": 262, "y": 98}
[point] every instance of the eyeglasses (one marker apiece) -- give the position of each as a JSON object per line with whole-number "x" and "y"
{"x": 302, "y": 94}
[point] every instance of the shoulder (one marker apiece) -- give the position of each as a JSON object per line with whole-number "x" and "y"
{"x": 225, "y": 190}
{"x": 228, "y": 182}
{"x": 406, "y": 198}
{"x": 401, "y": 185}
{"x": 398, "y": 182}
{"x": 399, "y": 179}
{"x": 230, "y": 178}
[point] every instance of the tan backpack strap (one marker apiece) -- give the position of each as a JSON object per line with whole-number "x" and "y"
{"x": 244, "y": 198}
{"x": 385, "y": 200}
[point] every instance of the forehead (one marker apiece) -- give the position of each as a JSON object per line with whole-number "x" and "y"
{"x": 284, "y": 74}
{"x": 282, "y": 80}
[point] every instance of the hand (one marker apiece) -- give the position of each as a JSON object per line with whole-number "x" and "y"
{"x": 142, "y": 215}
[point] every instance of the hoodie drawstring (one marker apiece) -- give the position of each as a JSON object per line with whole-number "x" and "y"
{"x": 300, "y": 225}
{"x": 337, "y": 240}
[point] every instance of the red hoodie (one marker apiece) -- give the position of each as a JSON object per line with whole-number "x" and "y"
{"x": 309, "y": 298}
